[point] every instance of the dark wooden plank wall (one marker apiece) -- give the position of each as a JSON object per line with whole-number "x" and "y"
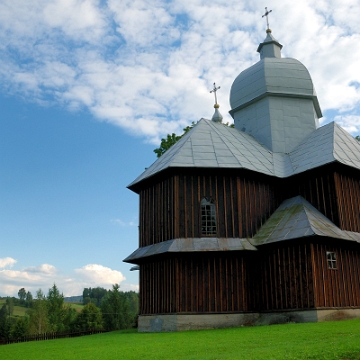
{"x": 194, "y": 284}
{"x": 157, "y": 213}
{"x": 318, "y": 188}
{"x": 348, "y": 196}
{"x": 171, "y": 208}
{"x": 283, "y": 278}
{"x": 337, "y": 287}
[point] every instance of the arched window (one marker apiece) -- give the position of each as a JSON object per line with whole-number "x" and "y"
{"x": 208, "y": 217}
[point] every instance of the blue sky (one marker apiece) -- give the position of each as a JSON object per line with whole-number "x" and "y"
{"x": 87, "y": 90}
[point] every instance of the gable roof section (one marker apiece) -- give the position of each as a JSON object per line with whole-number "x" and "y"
{"x": 327, "y": 144}
{"x": 215, "y": 145}
{"x": 297, "y": 218}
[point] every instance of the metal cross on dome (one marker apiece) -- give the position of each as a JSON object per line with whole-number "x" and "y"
{"x": 267, "y": 19}
{"x": 214, "y": 90}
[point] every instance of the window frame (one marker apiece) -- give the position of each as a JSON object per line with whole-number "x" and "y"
{"x": 331, "y": 260}
{"x": 208, "y": 218}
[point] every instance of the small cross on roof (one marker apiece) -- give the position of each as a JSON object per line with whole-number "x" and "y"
{"x": 267, "y": 19}
{"x": 214, "y": 90}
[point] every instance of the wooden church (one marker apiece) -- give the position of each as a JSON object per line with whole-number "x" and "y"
{"x": 255, "y": 224}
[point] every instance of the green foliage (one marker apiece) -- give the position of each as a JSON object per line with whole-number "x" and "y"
{"x": 90, "y": 318}
{"x": 56, "y": 311}
{"x": 10, "y": 305}
{"x": 357, "y": 137}
{"x": 21, "y": 328}
{"x": 38, "y": 323}
{"x": 28, "y": 299}
{"x": 170, "y": 140}
{"x": 5, "y": 324}
{"x": 51, "y": 313}
{"x": 94, "y": 295}
{"x": 22, "y": 295}
{"x": 116, "y": 310}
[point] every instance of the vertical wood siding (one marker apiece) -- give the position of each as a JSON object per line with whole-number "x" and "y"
{"x": 283, "y": 277}
{"x": 348, "y": 196}
{"x": 199, "y": 283}
{"x": 318, "y": 188}
{"x": 171, "y": 208}
{"x": 337, "y": 287}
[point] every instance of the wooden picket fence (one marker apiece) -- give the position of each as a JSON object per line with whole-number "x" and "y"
{"x": 50, "y": 336}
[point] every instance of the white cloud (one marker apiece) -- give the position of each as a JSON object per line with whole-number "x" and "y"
{"x": 350, "y": 123}
{"x": 98, "y": 275}
{"x": 44, "y": 276}
{"x": 7, "y": 262}
{"x": 123, "y": 223}
{"x": 148, "y": 67}
{"x": 45, "y": 269}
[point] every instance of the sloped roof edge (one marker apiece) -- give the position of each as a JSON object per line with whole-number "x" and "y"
{"x": 183, "y": 245}
{"x": 214, "y": 145}
{"x": 297, "y": 218}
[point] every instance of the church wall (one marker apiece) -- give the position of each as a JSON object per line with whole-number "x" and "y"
{"x": 197, "y": 283}
{"x": 348, "y": 197}
{"x": 284, "y": 277}
{"x": 171, "y": 208}
{"x": 336, "y": 287}
{"x": 157, "y": 213}
{"x": 318, "y": 188}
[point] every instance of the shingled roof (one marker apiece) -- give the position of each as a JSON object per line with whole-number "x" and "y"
{"x": 215, "y": 145}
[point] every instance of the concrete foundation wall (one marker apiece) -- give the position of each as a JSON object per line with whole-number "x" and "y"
{"x": 182, "y": 322}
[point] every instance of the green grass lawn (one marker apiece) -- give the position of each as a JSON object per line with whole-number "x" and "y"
{"x": 330, "y": 340}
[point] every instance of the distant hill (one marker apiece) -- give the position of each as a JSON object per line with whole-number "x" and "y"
{"x": 75, "y": 299}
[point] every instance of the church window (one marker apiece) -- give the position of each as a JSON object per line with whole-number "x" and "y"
{"x": 331, "y": 259}
{"x": 208, "y": 217}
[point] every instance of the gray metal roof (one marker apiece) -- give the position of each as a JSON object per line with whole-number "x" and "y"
{"x": 297, "y": 218}
{"x": 282, "y": 76}
{"x": 190, "y": 245}
{"x": 327, "y": 144}
{"x": 215, "y": 145}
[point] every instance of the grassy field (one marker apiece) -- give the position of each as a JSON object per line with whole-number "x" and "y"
{"x": 18, "y": 310}
{"x": 76, "y": 306}
{"x": 331, "y": 340}
{"x": 21, "y": 310}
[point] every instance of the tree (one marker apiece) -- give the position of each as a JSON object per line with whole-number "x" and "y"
{"x": 90, "y": 318}
{"x": 116, "y": 310}
{"x": 357, "y": 137}
{"x": 10, "y": 305}
{"x": 28, "y": 299}
{"x": 133, "y": 299}
{"x": 170, "y": 140}
{"x": 97, "y": 294}
{"x": 5, "y": 324}
{"x": 38, "y": 323}
{"x": 86, "y": 295}
{"x": 56, "y": 313}
{"x": 22, "y": 295}
{"x": 21, "y": 328}
{"x": 93, "y": 295}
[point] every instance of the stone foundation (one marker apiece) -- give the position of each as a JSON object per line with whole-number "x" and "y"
{"x": 182, "y": 322}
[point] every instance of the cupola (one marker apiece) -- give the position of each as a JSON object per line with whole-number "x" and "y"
{"x": 275, "y": 100}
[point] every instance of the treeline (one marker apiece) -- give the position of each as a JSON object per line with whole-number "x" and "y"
{"x": 112, "y": 310}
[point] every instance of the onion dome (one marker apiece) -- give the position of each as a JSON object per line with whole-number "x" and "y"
{"x": 275, "y": 100}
